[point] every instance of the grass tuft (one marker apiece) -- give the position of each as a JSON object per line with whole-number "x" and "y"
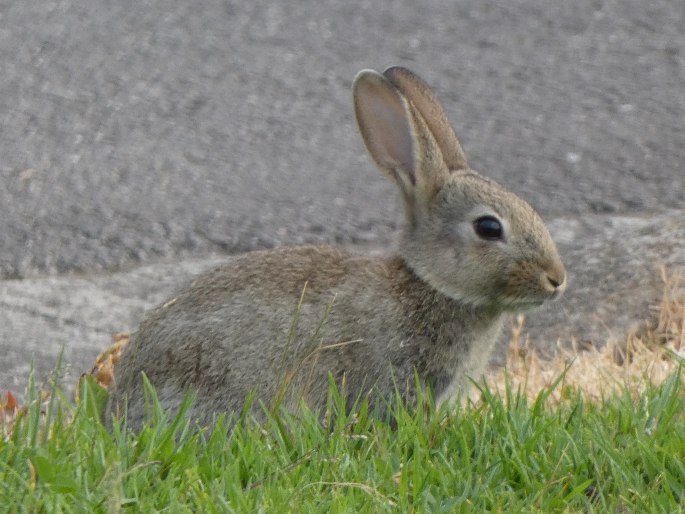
{"x": 503, "y": 453}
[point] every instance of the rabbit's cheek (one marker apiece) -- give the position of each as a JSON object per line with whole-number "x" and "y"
{"x": 527, "y": 287}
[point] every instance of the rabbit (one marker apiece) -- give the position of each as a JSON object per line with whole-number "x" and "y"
{"x": 279, "y": 323}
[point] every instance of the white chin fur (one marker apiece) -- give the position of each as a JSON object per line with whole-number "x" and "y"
{"x": 480, "y": 301}
{"x": 500, "y": 303}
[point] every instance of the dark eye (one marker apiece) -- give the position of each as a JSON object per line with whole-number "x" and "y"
{"x": 488, "y": 227}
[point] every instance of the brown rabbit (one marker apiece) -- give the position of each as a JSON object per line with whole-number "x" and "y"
{"x": 285, "y": 320}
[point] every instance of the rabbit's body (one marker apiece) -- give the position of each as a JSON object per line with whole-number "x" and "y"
{"x": 278, "y": 323}
{"x": 307, "y": 331}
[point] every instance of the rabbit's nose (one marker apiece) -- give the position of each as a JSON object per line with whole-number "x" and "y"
{"x": 556, "y": 278}
{"x": 554, "y": 281}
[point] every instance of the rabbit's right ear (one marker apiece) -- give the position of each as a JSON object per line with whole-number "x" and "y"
{"x": 422, "y": 97}
{"x": 398, "y": 138}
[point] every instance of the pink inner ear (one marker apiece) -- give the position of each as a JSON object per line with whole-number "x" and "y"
{"x": 385, "y": 128}
{"x": 393, "y": 134}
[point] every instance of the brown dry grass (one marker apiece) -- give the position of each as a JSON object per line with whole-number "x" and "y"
{"x": 647, "y": 355}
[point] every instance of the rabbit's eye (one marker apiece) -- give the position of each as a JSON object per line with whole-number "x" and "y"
{"x": 488, "y": 227}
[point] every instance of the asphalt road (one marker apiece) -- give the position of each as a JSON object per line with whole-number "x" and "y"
{"x": 140, "y": 131}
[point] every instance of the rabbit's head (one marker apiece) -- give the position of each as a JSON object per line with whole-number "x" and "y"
{"x": 465, "y": 235}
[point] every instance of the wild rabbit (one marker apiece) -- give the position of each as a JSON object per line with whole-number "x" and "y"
{"x": 286, "y": 319}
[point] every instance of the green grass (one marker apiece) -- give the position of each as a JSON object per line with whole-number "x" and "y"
{"x": 501, "y": 455}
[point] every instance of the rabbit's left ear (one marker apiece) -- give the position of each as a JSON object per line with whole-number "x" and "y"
{"x": 398, "y": 138}
{"x": 415, "y": 89}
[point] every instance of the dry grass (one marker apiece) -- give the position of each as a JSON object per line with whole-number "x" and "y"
{"x": 647, "y": 355}
{"x": 103, "y": 368}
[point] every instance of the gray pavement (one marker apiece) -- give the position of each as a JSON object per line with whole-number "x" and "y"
{"x": 134, "y": 133}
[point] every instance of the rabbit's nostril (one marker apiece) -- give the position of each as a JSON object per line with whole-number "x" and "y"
{"x": 558, "y": 282}
{"x": 554, "y": 278}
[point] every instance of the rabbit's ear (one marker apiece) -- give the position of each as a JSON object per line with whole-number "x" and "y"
{"x": 424, "y": 100}
{"x": 398, "y": 138}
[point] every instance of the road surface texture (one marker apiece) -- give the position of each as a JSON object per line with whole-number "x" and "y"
{"x": 139, "y": 141}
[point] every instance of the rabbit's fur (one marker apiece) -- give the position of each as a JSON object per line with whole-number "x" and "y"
{"x": 281, "y": 321}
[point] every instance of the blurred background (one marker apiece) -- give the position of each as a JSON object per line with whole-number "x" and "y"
{"x": 154, "y": 130}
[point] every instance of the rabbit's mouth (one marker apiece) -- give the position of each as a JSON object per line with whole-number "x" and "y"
{"x": 525, "y": 304}
{"x": 528, "y": 305}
